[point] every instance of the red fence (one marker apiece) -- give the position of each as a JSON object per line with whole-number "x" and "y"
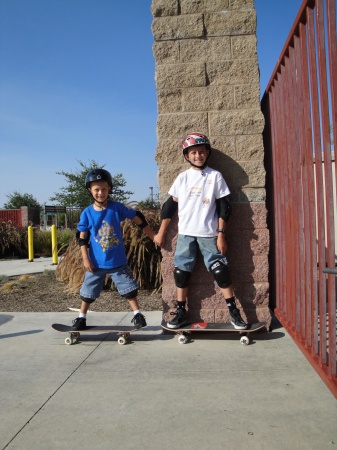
{"x": 11, "y": 215}
{"x": 300, "y": 108}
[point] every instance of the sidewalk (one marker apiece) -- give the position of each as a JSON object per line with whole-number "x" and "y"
{"x": 13, "y": 267}
{"x": 155, "y": 393}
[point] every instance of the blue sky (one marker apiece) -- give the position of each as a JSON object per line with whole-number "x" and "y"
{"x": 77, "y": 84}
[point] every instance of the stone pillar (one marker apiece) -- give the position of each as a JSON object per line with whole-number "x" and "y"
{"x": 207, "y": 80}
{"x": 30, "y": 216}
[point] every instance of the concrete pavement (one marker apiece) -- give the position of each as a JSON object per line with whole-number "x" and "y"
{"x": 155, "y": 393}
{"x": 13, "y": 267}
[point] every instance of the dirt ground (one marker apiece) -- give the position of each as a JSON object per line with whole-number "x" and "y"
{"x": 43, "y": 293}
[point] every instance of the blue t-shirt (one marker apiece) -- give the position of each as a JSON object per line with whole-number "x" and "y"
{"x": 106, "y": 249}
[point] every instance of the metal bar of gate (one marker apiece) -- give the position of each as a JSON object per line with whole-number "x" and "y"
{"x": 302, "y": 108}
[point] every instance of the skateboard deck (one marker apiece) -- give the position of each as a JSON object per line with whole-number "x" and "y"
{"x": 74, "y": 335}
{"x": 185, "y": 330}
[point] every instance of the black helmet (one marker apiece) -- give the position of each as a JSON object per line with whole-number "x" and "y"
{"x": 98, "y": 175}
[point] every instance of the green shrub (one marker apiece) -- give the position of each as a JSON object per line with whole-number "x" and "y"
{"x": 43, "y": 241}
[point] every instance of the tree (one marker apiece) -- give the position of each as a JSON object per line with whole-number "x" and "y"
{"x": 16, "y": 200}
{"x": 75, "y": 194}
{"x": 149, "y": 203}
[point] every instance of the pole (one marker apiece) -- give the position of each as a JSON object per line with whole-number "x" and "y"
{"x": 54, "y": 243}
{"x": 30, "y": 244}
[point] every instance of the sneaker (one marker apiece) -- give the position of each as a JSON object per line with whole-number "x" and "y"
{"x": 180, "y": 318}
{"x": 139, "y": 321}
{"x": 79, "y": 324}
{"x": 236, "y": 320}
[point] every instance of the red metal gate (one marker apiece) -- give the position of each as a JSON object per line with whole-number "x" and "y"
{"x": 300, "y": 108}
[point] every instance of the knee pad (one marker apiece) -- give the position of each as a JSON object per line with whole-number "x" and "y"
{"x": 181, "y": 277}
{"x": 87, "y": 300}
{"x": 221, "y": 274}
{"x": 131, "y": 294}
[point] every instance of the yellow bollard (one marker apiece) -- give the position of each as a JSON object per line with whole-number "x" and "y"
{"x": 30, "y": 244}
{"x": 54, "y": 243}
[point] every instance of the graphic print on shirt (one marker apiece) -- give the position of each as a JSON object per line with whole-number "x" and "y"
{"x": 195, "y": 192}
{"x": 106, "y": 237}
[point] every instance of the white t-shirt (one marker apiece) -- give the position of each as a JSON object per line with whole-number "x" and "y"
{"x": 196, "y": 191}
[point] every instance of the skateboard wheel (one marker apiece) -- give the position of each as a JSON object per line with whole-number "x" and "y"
{"x": 122, "y": 340}
{"x": 182, "y": 339}
{"x": 244, "y": 340}
{"x": 69, "y": 340}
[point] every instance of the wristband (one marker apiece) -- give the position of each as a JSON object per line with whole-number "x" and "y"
{"x": 221, "y": 230}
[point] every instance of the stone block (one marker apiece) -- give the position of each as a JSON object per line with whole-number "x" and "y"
{"x": 166, "y": 52}
{"x": 256, "y": 294}
{"x": 161, "y": 8}
{"x": 178, "y": 125}
{"x": 234, "y": 22}
{"x": 174, "y": 76}
{"x": 209, "y": 49}
{"x": 195, "y": 6}
{"x": 247, "y": 96}
{"x": 208, "y": 98}
{"x": 250, "y": 147}
{"x": 256, "y": 173}
{"x": 169, "y": 101}
{"x": 232, "y": 72}
{"x": 252, "y": 195}
{"x": 178, "y": 27}
{"x": 244, "y": 47}
{"x": 241, "y": 4}
{"x": 247, "y": 216}
{"x": 236, "y": 122}
{"x": 222, "y": 145}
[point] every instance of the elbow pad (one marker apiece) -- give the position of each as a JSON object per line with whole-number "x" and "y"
{"x": 82, "y": 241}
{"x": 142, "y": 218}
{"x": 223, "y": 208}
{"x": 168, "y": 209}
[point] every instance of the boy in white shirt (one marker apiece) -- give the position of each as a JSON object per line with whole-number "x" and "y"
{"x": 200, "y": 194}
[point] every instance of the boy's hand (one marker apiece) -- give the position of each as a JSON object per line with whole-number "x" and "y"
{"x": 159, "y": 239}
{"x": 88, "y": 265}
{"x": 221, "y": 243}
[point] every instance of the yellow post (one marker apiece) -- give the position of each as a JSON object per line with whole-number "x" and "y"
{"x": 54, "y": 243}
{"x": 30, "y": 244}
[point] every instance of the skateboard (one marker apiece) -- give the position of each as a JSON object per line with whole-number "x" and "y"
{"x": 74, "y": 336}
{"x": 185, "y": 331}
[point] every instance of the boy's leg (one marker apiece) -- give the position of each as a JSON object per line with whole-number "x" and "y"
{"x": 217, "y": 264}
{"x": 128, "y": 288}
{"x": 184, "y": 261}
{"x": 90, "y": 290}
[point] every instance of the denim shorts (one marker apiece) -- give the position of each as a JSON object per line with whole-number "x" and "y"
{"x": 94, "y": 281}
{"x": 186, "y": 252}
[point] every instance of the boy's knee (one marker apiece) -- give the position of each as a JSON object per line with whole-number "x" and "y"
{"x": 221, "y": 274}
{"x": 87, "y": 300}
{"x": 181, "y": 277}
{"x": 131, "y": 295}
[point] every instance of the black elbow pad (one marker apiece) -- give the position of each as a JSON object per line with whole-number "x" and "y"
{"x": 223, "y": 208}
{"x": 168, "y": 209}
{"x": 80, "y": 240}
{"x": 142, "y": 218}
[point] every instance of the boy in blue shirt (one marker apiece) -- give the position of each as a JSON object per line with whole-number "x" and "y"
{"x": 102, "y": 247}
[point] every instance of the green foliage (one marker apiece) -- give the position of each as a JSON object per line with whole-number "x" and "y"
{"x": 16, "y": 200}
{"x": 43, "y": 244}
{"x": 75, "y": 194}
{"x": 149, "y": 203}
{"x": 14, "y": 241}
